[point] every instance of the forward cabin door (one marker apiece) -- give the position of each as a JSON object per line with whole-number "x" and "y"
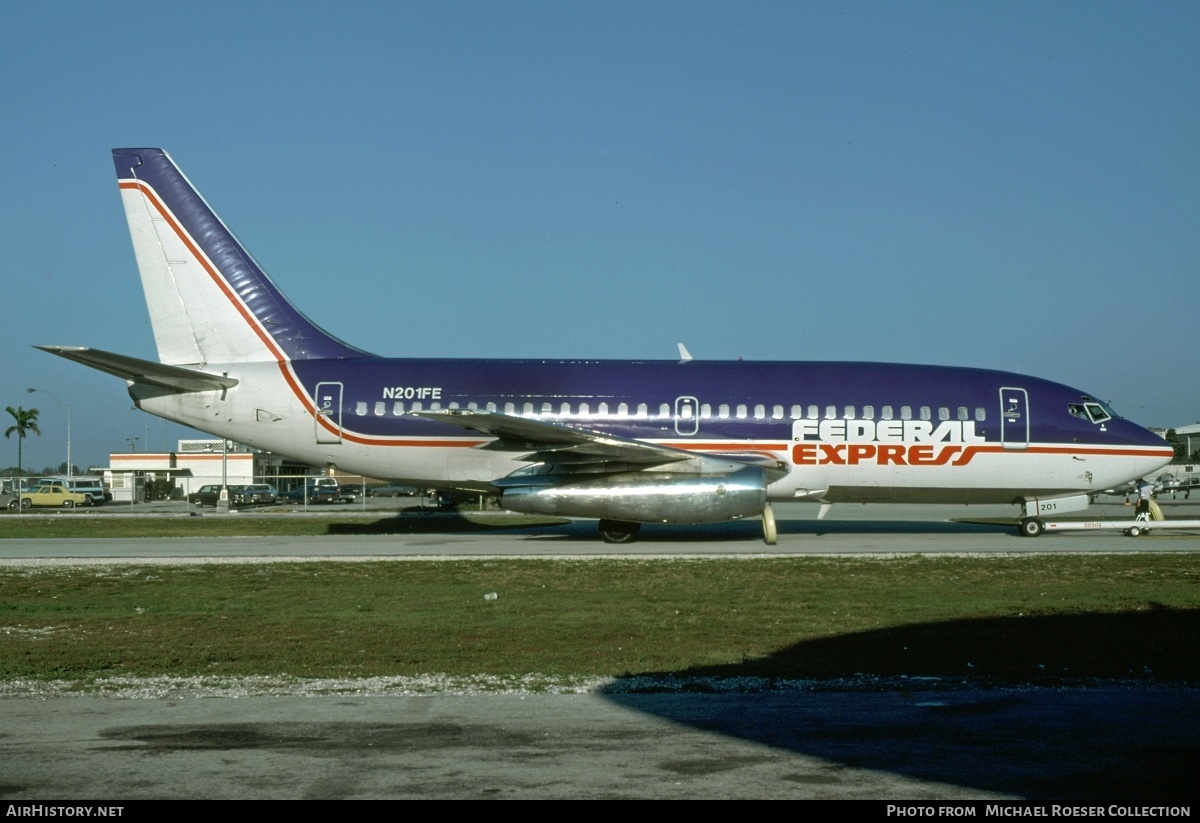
{"x": 1014, "y": 418}
{"x": 328, "y": 419}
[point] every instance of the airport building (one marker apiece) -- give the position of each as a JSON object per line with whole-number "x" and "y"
{"x": 196, "y": 463}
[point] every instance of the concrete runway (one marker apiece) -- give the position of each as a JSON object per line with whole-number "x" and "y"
{"x": 895, "y": 739}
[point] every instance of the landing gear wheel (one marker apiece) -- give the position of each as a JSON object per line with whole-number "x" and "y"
{"x": 1032, "y": 527}
{"x": 770, "y": 532}
{"x": 618, "y": 531}
{"x": 1137, "y": 531}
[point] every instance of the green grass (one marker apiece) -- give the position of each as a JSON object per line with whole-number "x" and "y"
{"x": 1003, "y": 617}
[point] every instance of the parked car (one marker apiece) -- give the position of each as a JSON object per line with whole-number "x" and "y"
{"x": 55, "y": 495}
{"x": 93, "y": 487}
{"x": 349, "y": 492}
{"x": 209, "y": 494}
{"x": 317, "y": 490}
{"x": 263, "y": 494}
{"x": 8, "y": 500}
{"x": 392, "y": 490}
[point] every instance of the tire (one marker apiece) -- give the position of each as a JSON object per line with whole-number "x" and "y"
{"x": 68, "y": 504}
{"x": 619, "y": 531}
{"x": 770, "y": 531}
{"x": 1032, "y": 527}
{"x": 26, "y": 503}
{"x": 1134, "y": 532}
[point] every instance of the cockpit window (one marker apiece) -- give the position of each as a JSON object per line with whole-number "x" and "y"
{"x": 1090, "y": 410}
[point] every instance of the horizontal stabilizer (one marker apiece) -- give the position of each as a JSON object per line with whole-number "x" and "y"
{"x": 145, "y": 372}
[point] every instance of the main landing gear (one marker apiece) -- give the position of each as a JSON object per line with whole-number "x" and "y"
{"x": 622, "y": 531}
{"x": 619, "y": 531}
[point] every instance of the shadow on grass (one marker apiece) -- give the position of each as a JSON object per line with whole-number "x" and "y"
{"x": 1091, "y": 706}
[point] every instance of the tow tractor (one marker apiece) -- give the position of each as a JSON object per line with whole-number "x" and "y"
{"x": 1035, "y": 520}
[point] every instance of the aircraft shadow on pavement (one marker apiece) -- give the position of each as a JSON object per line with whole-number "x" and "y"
{"x": 1091, "y": 706}
{"x": 751, "y": 530}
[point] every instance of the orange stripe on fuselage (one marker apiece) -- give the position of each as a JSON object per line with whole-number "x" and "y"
{"x": 280, "y": 358}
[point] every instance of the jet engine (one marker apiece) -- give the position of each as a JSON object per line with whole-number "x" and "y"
{"x": 643, "y": 497}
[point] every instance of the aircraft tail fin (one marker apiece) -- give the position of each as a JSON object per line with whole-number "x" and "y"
{"x": 209, "y": 300}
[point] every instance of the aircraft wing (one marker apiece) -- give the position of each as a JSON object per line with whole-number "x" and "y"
{"x": 565, "y": 449}
{"x": 553, "y": 443}
{"x": 145, "y": 372}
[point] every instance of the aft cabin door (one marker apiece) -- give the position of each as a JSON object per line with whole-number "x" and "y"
{"x": 328, "y": 419}
{"x": 1014, "y": 418}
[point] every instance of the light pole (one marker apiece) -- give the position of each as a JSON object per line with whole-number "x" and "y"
{"x": 67, "y": 408}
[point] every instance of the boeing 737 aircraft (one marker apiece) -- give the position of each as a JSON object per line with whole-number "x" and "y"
{"x": 625, "y": 442}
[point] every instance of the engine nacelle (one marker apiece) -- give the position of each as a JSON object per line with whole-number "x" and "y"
{"x": 647, "y": 497}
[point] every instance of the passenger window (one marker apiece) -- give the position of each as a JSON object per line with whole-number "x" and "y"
{"x": 925, "y": 415}
{"x": 602, "y": 410}
{"x": 416, "y": 406}
{"x": 868, "y": 412}
{"x": 886, "y": 413}
{"x": 642, "y": 410}
{"x": 454, "y": 404}
{"x": 435, "y": 405}
{"x": 848, "y": 412}
{"x": 723, "y": 411}
{"x": 360, "y": 408}
{"x": 943, "y": 413}
{"x": 962, "y": 413}
{"x": 547, "y": 409}
{"x": 622, "y": 409}
{"x": 380, "y": 408}
{"x": 906, "y": 412}
{"x": 706, "y": 411}
{"x": 527, "y": 410}
{"x": 664, "y": 410}
{"x": 831, "y": 412}
{"x": 760, "y": 412}
{"x": 565, "y": 410}
{"x": 777, "y": 412}
{"x": 473, "y": 406}
{"x": 813, "y": 412}
{"x": 510, "y": 408}
{"x": 797, "y": 412}
{"x": 980, "y": 413}
{"x": 584, "y": 410}
{"x": 741, "y": 411}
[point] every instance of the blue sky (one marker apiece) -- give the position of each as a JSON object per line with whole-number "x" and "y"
{"x": 1006, "y": 185}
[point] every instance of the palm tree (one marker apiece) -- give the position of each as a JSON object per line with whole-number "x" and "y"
{"x": 26, "y": 422}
